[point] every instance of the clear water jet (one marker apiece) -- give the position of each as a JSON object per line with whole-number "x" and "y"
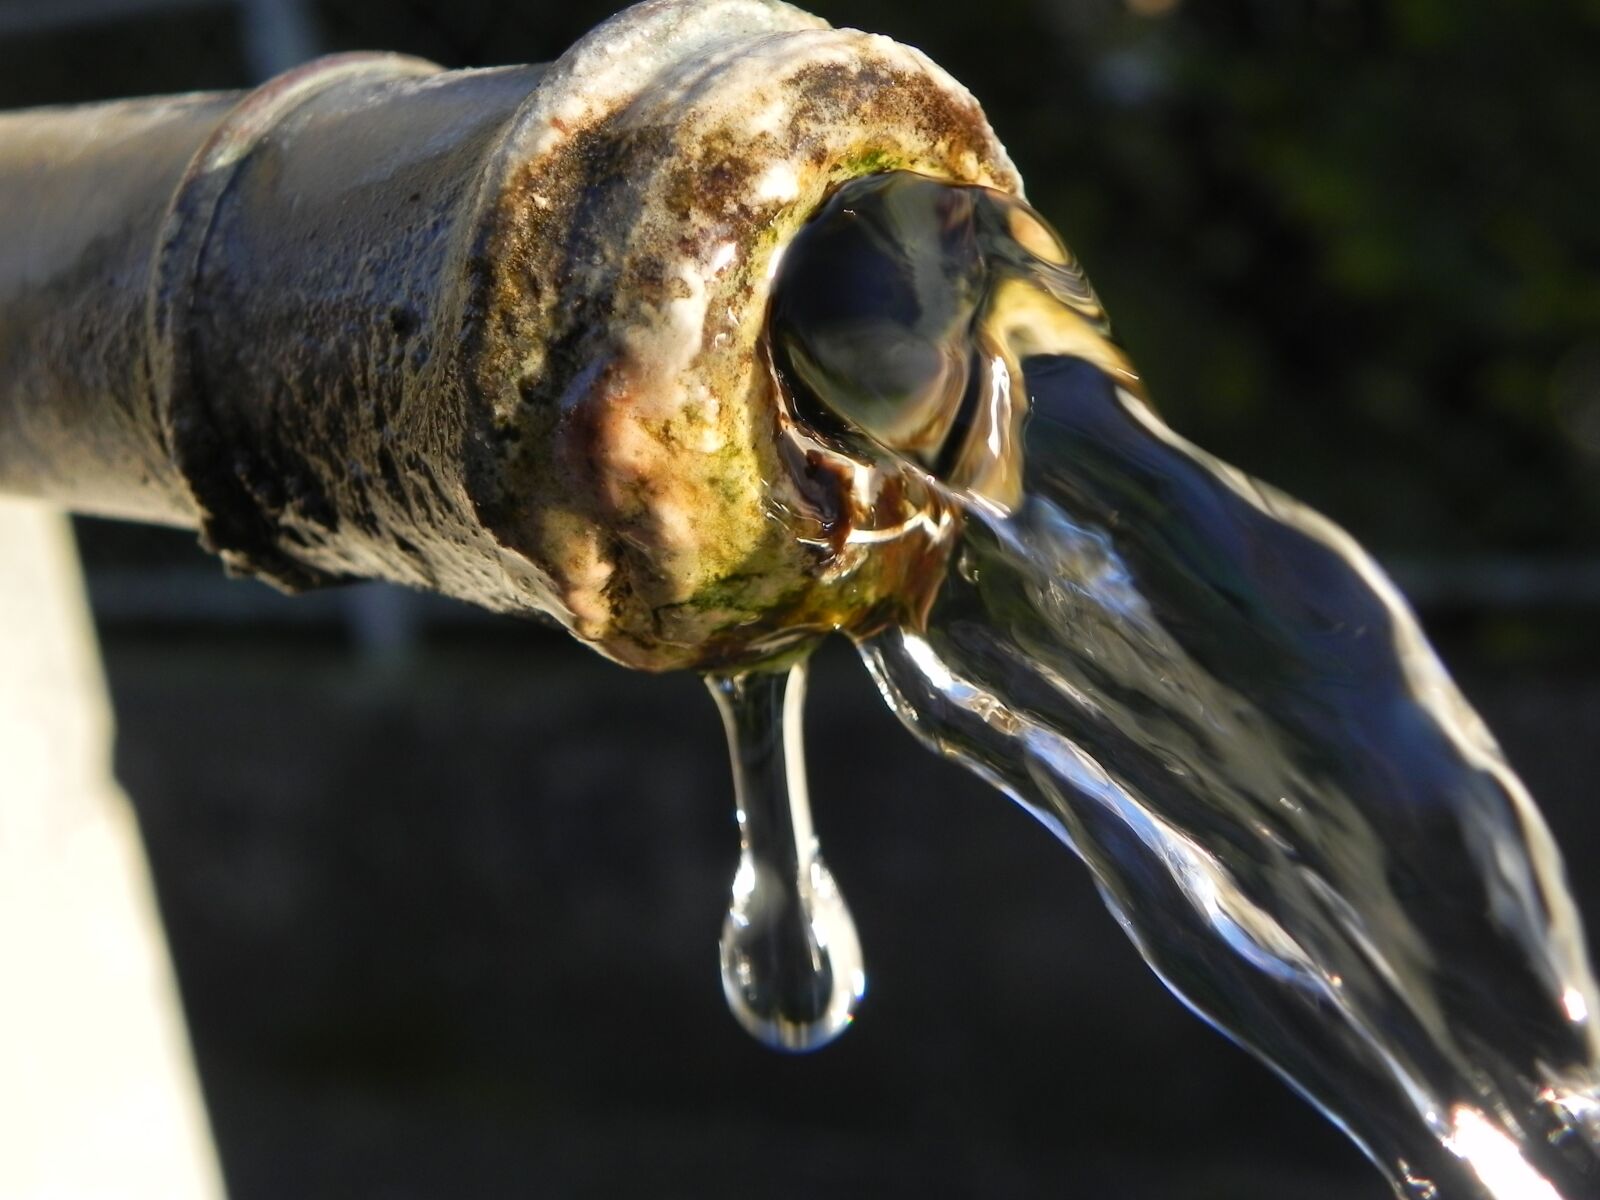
{"x": 1208, "y": 692}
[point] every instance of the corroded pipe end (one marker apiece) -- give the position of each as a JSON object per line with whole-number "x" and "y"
{"x": 633, "y": 447}
{"x": 495, "y": 333}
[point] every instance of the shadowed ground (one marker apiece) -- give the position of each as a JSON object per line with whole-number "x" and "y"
{"x": 450, "y": 928}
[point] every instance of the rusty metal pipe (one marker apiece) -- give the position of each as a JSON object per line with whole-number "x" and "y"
{"x": 495, "y": 333}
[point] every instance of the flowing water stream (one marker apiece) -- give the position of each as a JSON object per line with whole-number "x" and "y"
{"x": 1208, "y": 692}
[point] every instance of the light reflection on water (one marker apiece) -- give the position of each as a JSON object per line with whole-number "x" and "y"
{"x": 1209, "y": 692}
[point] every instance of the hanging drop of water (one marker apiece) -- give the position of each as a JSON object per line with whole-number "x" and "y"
{"x": 791, "y": 961}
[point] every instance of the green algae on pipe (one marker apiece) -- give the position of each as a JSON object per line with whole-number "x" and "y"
{"x": 495, "y": 333}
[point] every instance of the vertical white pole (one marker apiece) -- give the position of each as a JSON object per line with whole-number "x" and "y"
{"x": 98, "y": 1097}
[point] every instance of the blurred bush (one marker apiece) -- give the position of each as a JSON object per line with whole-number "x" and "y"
{"x": 1352, "y": 243}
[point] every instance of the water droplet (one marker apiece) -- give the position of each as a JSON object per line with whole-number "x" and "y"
{"x": 791, "y": 961}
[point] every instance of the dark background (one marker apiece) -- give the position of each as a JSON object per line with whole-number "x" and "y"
{"x": 444, "y": 889}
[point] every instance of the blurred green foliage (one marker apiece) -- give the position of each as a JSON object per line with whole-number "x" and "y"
{"x": 1355, "y": 246}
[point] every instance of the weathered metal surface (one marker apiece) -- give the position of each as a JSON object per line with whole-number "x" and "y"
{"x": 496, "y": 333}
